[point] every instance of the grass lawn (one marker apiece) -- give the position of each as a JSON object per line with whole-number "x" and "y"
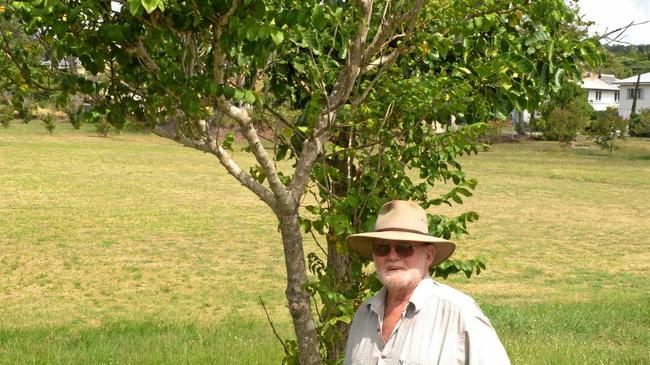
{"x": 135, "y": 250}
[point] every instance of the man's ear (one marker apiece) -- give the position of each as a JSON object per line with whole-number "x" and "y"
{"x": 431, "y": 254}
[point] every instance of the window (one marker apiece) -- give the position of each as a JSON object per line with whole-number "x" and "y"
{"x": 616, "y": 96}
{"x": 599, "y": 95}
{"x": 630, "y": 94}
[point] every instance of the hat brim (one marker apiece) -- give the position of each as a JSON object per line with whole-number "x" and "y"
{"x": 362, "y": 243}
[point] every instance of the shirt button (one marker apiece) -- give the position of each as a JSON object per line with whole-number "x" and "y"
{"x": 383, "y": 356}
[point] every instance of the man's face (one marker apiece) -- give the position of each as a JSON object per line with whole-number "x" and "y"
{"x": 400, "y": 266}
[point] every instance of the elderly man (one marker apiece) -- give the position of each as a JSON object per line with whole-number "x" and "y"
{"x": 413, "y": 319}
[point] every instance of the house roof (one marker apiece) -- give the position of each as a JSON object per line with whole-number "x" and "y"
{"x": 645, "y": 79}
{"x": 609, "y": 79}
{"x": 594, "y": 83}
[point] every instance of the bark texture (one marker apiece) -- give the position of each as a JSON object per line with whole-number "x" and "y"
{"x": 299, "y": 300}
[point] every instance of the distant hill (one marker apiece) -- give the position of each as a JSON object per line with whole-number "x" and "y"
{"x": 626, "y": 60}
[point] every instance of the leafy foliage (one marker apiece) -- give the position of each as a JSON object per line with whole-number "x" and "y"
{"x": 565, "y": 114}
{"x": 607, "y": 128}
{"x": 640, "y": 124}
{"x": 48, "y": 122}
{"x": 6, "y": 115}
{"x": 74, "y": 110}
{"x": 626, "y": 60}
{"x": 26, "y": 108}
{"x": 102, "y": 126}
{"x": 564, "y": 123}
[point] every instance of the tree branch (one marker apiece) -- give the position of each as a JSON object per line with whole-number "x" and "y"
{"x": 141, "y": 52}
{"x": 169, "y": 131}
{"x": 250, "y": 133}
{"x": 620, "y": 32}
{"x": 337, "y": 97}
{"x": 268, "y": 318}
{"x": 218, "y": 58}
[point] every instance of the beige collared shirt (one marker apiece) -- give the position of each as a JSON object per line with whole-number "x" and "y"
{"x": 440, "y": 325}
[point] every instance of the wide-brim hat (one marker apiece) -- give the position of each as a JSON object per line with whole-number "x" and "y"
{"x": 401, "y": 220}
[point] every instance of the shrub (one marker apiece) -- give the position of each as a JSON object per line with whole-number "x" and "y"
{"x": 48, "y": 120}
{"x": 640, "y": 124}
{"x": 495, "y": 127}
{"x": 564, "y": 123}
{"x": 26, "y": 110}
{"x": 607, "y": 128}
{"x": 74, "y": 110}
{"x": 102, "y": 126}
{"x": 6, "y": 115}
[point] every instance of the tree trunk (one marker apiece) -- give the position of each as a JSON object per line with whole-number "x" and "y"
{"x": 338, "y": 264}
{"x": 299, "y": 299}
{"x": 338, "y": 267}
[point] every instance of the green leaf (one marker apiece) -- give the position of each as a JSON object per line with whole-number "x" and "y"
{"x": 228, "y": 92}
{"x": 151, "y": 5}
{"x": 278, "y": 37}
{"x": 134, "y": 7}
{"x": 457, "y": 199}
{"x": 299, "y": 67}
{"x": 249, "y": 97}
{"x": 227, "y": 143}
{"x": 252, "y": 32}
{"x": 465, "y": 70}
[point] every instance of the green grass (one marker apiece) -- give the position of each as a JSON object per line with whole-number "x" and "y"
{"x": 135, "y": 250}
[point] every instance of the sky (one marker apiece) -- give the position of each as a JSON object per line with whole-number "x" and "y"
{"x": 611, "y": 14}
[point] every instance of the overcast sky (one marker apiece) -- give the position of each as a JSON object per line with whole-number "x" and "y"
{"x": 612, "y": 14}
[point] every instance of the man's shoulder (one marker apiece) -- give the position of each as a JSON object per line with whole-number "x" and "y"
{"x": 455, "y": 298}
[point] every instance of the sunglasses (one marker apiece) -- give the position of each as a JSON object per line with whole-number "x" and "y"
{"x": 401, "y": 249}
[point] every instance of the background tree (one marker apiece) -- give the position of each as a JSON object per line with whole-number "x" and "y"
{"x": 626, "y": 60}
{"x": 565, "y": 114}
{"x": 564, "y": 123}
{"x": 345, "y": 91}
{"x": 607, "y": 128}
{"x": 24, "y": 74}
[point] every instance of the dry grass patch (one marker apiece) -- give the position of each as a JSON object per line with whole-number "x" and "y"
{"x": 113, "y": 245}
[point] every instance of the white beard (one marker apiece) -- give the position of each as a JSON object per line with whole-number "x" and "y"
{"x": 400, "y": 279}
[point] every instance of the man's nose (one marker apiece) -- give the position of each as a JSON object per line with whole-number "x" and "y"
{"x": 392, "y": 255}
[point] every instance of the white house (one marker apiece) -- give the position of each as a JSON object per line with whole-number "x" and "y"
{"x": 602, "y": 91}
{"x": 627, "y": 94}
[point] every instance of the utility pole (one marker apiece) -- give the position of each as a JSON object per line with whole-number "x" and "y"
{"x": 636, "y": 94}
{"x": 640, "y": 69}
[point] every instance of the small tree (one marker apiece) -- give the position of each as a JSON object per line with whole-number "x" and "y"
{"x": 26, "y": 107}
{"x": 102, "y": 126}
{"x": 48, "y": 121}
{"x": 607, "y": 128}
{"x": 74, "y": 110}
{"x": 6, "y": 114}
{"x": 564, "y": 123}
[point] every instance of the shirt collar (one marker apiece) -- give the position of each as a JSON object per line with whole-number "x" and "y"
{"x": 376, "y": 303}
{"x": 422, "y": 293}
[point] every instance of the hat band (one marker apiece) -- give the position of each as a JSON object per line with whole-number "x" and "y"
{"x": 401, "y": 230}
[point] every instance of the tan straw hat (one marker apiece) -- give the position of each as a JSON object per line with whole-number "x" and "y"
{"x": 401, "y": 220}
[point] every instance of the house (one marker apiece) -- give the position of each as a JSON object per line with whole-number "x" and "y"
{"x": 602, "y": 91}
{"x": 627, "y": 94}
